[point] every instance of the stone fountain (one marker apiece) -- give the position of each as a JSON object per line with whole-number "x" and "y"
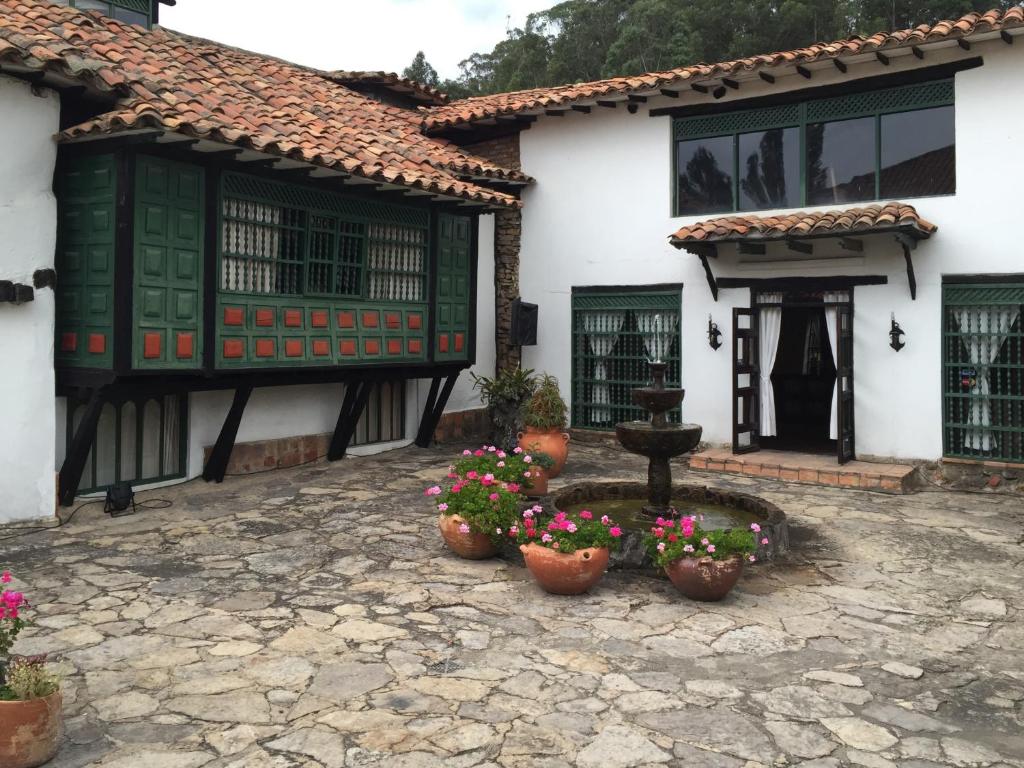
{"x": 658, "y": 439}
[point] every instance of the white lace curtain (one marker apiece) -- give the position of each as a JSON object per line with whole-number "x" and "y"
{"x": 832, "y": 326}
{"x": 985, "y": 330}
{"x": 658, "y": 330}
{"x": 602, "y": 329}
{"x": 769, "y": 331}
{"x": 251, "y": 244}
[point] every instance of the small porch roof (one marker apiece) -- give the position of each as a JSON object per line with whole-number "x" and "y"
{"x": 752, "y": 234}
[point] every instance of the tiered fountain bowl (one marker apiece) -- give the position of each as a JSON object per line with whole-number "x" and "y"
{"x": 634, "y": 505}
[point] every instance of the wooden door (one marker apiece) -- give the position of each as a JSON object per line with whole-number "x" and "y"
{"x": 745, "y": 386}
{"x": 844, "y": 383}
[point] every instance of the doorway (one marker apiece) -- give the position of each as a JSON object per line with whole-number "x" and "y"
{"x": 803, "y": 379}
{"x": 793, "y": 372}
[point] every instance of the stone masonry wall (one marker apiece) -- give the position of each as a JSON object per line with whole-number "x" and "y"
{"x": 507, "y": 235}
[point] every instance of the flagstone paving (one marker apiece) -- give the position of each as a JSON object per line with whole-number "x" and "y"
{"x": 311, "y": 617}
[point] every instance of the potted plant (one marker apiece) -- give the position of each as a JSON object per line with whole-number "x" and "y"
{"x": 703, "y": 565}
{"x": 544, "y": 419}
{"x": 30, "y": 700}
{"x": 567, "y": 555}
{"x": 484, "y": 494}
{"x": 504, "y": 397}
{"x": 538, "y": 464}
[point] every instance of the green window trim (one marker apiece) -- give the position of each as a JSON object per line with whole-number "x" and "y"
{"x": 907, "y": 98}
{"x": 129, "y": 11}
{"x": 609, "y": 351}
{"x": 983, "y": 370}
{"x": 297, "y": 240}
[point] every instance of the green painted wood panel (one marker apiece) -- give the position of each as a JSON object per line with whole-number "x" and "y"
{"x": 86, "y": 198}
{"x": 282, "y": 331}
{"x": 168, "y": 264}
{"x": 452, "y": 332}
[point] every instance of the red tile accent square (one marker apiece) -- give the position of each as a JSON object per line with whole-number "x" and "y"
{"x": 68, "y": 342}
{"x": 97, "y": 343}
{"x": 346, "y": 319}
{"x": 321, "y": 347}
{"x": 264, "y": 347}
{"x": 185, "y": 344}
{"x": 293, "y": 348}
{"x": 234, "y": 315}
{"x": 318, "y": 318}
{"x": 460, "y": 341}
{"x": 264, "y": 317}
{"x": 394, "y": 346}
{"x": 151, "y": 345}
{"x": 442, "y": 343}
{"x": 415, "y": 346}
{"x": 347, "y": 347}
{"x": 415, "y": 321}
{"x": 233, "y": 348}
{"x": 392, "y": 320}
{"x": 370, "y": 319}
{"x": 371, "y": 347}
{"x": 293, "y": 318}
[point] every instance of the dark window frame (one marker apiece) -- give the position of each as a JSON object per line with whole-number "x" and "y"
{"x": 876, "y": 104}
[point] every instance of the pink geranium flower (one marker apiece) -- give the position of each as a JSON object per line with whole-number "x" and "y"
{"x": 711, "y": 548}
{"x": 528, "y": 459}
{"x": 494, "y": 497}
{"x": 517, "y": 450}
{"x": 442, "y": 507}
{"x": 467, "y": 452}
{"x": 6, "y": 577}
{"x": 661, "y": 546}
{"x": 755, "y": 527}
{"x": 513, "y": 487}
{"x": 463, "y": 528}
{"x": 615, "y": 531}
{"x": 764, "y": 540}
{"x": 585, "y": 515}
{"x": 688, "y": 548}
{"x": 546, "y": 538}
{"x": 472, "y": 475}
{"x": 434, "y": 490}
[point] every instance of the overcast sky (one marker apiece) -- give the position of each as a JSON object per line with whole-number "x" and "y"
{"x": 355, "y": 34}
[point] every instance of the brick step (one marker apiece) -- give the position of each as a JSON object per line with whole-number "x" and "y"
{"x": 809, "y": 468}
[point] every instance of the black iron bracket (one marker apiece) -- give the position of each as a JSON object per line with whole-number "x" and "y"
{"x": 909, "y": 244}
{"x": 433, "y": 408}
{"x": 74, "y": 462}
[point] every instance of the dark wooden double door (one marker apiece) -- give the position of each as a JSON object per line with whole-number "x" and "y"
{"x": 746, "y": 377}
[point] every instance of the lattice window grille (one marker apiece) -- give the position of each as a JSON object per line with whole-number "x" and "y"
{"x": 890, "y": 100}
{"x": 738, "y": 122}
{"x": 396, "y": 263}
{"x": 262, "y": 248}
{"x": 983, "y": 372}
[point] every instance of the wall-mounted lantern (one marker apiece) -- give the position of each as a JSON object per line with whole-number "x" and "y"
{"x": 895, "y": 333}
{"x": 714, "y": 335}
{"x": 15, "y": 293}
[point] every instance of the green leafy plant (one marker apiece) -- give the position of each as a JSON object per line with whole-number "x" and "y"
{"x": 566, "y": 532}
{"x": 546, "y": 410}
{"x": 671, "y": 539}
{"x": 504, "y": 397}
{"x": 13, "y": 605}
{"x": 28, "y": 678}
{"x": 485, "y": 490}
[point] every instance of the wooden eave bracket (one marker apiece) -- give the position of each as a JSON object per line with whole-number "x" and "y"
{"x": 909, "y": 244}
{"x": 704, "y": 251}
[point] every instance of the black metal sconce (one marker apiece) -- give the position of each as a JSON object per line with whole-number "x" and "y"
{"x": 15, "y": 293}
{"x": 714, "y": 335}
{"x": 895, "y": 334}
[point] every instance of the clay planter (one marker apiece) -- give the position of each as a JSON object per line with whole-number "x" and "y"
{"x": 539, "y": 478}
{"x": 471, "y": 546}
{"x": 703, "y": 578}
{"x": 30, "y": 731}
{"x": 565, "y": 574}
{"x": 553, "y": 442}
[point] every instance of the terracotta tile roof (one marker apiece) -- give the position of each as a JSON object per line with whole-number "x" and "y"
{"x": 483, "y": 107}
{"x": 165, "y": 80}
{"x": 391, "y": 81}
{"x": 842, "y": 223}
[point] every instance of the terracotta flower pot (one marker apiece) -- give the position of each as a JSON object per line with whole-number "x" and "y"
{"x": 30, "y": 731}
{"x": 563, "y": 574}
{"x": 472, "y": 546}
{"x": 703, "y": 578}
{"x": 553, "y": 442}
{"x": 539, "y": 480}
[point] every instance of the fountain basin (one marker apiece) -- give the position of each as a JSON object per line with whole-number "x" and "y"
{"x": 657, "y": 400}
{"x": 624, "y": 502}
{"x": 658, "y": 442}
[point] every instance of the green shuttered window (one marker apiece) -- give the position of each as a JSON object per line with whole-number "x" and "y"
{"x": 983, "y": 370}
{"x": 614, "y": 334}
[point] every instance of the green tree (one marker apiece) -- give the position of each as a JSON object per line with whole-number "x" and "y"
{"x": 421, "y": 71}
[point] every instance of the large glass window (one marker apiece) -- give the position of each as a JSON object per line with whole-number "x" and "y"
{"x": 769, "y": 169}
{"x": 841, "y": 161}
{"x": 918, "y": 153}
{"x": 128, "y": 11}
{"x": 897, "y": 142}
{"x": 705, "y": 170}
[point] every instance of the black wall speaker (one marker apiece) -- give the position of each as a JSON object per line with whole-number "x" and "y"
{"x": 524, "y": 323}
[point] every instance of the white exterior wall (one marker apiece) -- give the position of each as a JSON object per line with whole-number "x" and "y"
{"x": 28, "y": 233}
{"x": 277, "y": 412}
{"x": 600, "y": 214}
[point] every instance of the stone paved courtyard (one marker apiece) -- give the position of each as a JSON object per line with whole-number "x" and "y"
{"x": 311, "y": 617}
